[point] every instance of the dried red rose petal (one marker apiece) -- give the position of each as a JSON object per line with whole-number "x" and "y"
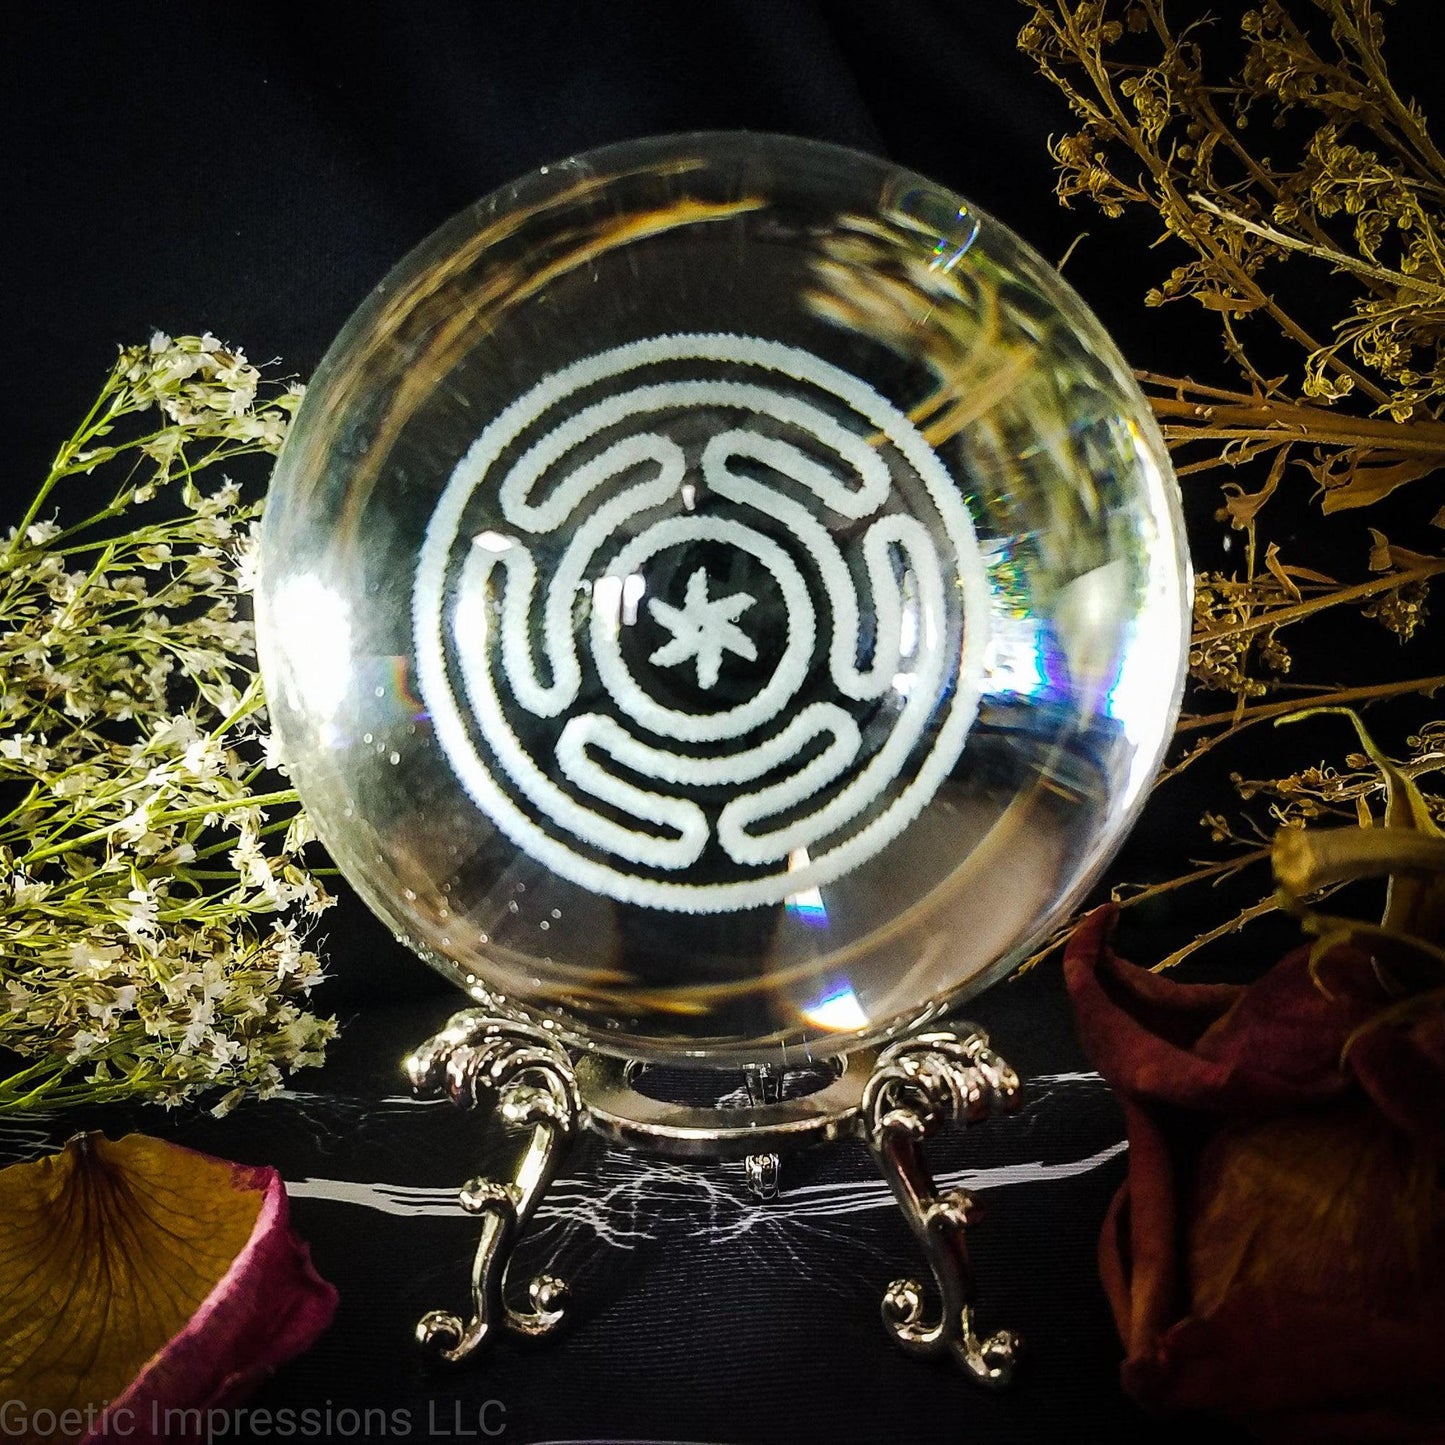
{"x": 149, "y": 1276}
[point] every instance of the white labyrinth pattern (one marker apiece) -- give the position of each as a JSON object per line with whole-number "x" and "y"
{"x": 606, "y": 482}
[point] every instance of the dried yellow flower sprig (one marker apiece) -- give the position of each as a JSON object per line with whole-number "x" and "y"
{"x": 1349, "y": 196}
{"x": 153, "y": 908}
{"x": 1161, "y": 129}
{"x": 1303, "y": 202}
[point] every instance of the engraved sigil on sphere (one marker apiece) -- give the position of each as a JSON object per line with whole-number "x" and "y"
{"x": 787, "y": 617}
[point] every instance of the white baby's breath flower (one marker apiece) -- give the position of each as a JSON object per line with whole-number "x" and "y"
{"x": 287, "y": 949}
{"x": 177, "y": 733}
{"x": 164, "y": 447}
{"x": 88, "y": 961}
{"x": 299, "y": 832}
{"x": 136, "y": 960}
{"x": 198, "y": 1028}
{"x": 25, "y": 892}
{"x": 138, "y": 914}
{"x": 203, "y": 758}
{"x": 136, "y": 824}
{"x": 83, "y": 1042}
{"x": 313, "y": 898}
{"x": 119, "y": 1000}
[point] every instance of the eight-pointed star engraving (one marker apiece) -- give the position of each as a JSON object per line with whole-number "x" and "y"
{"x": 703, "y": 628}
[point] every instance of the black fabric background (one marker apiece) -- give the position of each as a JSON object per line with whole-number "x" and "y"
{"x": 254, "y": 170}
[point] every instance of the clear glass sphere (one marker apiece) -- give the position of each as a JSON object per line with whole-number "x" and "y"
{"x": 723, "y": 594}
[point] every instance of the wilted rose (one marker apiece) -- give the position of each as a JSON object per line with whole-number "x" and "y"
{"x": 1276, "y": 1255}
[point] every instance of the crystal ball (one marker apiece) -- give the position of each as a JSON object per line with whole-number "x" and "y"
{"x": 723, "y": 598}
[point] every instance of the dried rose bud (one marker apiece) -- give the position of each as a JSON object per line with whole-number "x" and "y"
{"x": 1276, "y": 1255}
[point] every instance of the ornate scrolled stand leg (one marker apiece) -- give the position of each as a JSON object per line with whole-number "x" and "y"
{"x": 763, "y": 1171}
{"x": 918, "y": 1085}
{"x": 525, "y": 1076}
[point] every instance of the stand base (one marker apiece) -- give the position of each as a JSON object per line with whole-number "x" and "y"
{"x": 894, "y": 1100}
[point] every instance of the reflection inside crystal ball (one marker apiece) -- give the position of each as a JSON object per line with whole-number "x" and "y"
{"x": 723, "y": 596}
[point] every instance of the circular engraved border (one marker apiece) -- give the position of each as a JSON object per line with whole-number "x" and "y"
{"x": 429, "y": 589}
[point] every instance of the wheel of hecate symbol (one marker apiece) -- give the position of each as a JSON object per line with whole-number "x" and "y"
{"x": 700, "y": 622}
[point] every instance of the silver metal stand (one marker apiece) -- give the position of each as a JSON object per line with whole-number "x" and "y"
{"x": 894, "y": 1100}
